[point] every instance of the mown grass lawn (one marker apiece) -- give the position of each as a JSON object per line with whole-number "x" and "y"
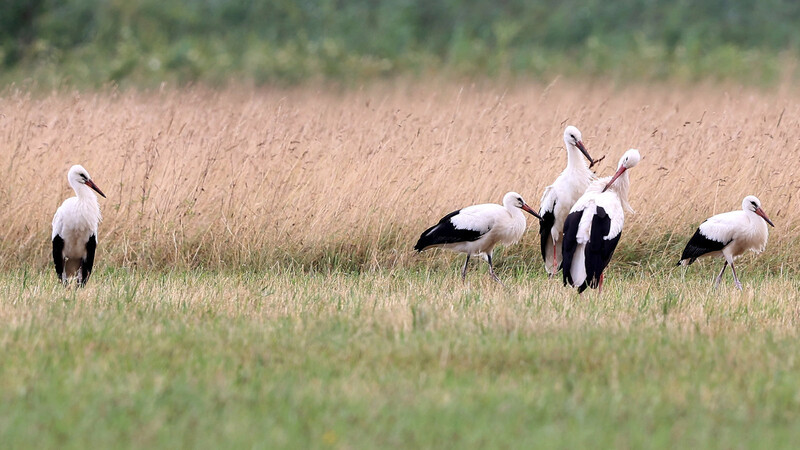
{"x": 408, "y": 358}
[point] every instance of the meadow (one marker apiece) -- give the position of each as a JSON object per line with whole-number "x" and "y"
{"x": 255, "y": 283}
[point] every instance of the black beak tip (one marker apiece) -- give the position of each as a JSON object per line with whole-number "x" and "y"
{"x": 530, "y": 211}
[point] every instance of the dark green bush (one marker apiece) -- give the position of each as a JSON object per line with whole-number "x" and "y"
{"x": 96, "y": 41}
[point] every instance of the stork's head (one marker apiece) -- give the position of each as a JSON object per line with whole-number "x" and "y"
{"x": 514, "y": 200}
{"x": 753, "y": 204}
{"x": 78, "y": 175}
{"x": 572, "y": 137}
{"x": 628, "y": 160}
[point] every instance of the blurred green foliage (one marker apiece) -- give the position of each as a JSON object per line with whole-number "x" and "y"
{"x": 92, "y": 42}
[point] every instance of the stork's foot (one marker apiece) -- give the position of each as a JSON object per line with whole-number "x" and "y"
{"x": 736, "y": 278}
{"x": 491, "y": 269}
{"x": 495, "y": 278}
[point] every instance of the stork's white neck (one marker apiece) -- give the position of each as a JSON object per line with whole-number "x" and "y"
{"x": 622, "y": 186}
{"x": 755, "y": 218}
{"x": 515, "y": 212}
{"x": 575, "y": 159}
{"x": 83, "y": 192}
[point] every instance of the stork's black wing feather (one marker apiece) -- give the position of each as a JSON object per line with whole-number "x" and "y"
{"x": 599, "y": 250}
{"x": 699, "y": 245}
{"x": 445, "y": 232}
{"x": 88, "y": 262}
{"x": 58, "y": 256}
{"x": 545, "y": 225}
{"x": 569, "y": 244}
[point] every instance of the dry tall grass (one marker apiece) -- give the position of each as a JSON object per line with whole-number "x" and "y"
{"x": 252, "y": 178}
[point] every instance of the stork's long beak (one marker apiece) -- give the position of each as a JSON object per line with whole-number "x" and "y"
{"x": 527, "y": 208}
{"x": 91, "y": 184}
{"x": 585, "y": 152}
{"x": 761, "y": 213}
{"x": 620, "y": 171}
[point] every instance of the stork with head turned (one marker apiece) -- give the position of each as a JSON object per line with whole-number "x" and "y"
{"x": 560, "y": 196}
{"x": 594, "y": 226}
{"x": 729, "y": 235}
{"x": 75, "y": 228}
{"x": 475, "y": 230}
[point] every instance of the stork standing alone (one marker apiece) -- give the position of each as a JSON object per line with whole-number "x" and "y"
{"x": 729, "y": 235}
{"x": 594, "y": 226}
{"x": 559, "y": 197}
{"x": 75, "y": 228}
{"x": 475, "y": 230}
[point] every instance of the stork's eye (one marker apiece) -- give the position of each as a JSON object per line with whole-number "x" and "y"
{"x": 83, "y": 176}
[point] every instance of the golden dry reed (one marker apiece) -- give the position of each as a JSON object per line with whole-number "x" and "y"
{"x": 319, "y": 178}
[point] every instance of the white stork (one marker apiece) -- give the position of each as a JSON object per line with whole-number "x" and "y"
{"x": 729, "y": 235}
{"x": 75, "y": 228}
{"x": 594, "y": 226}
{"x": 475, "y": 230}
{"x": 559, "y": 197}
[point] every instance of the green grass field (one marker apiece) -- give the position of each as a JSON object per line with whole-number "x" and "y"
{"x": 403, "y": 358}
